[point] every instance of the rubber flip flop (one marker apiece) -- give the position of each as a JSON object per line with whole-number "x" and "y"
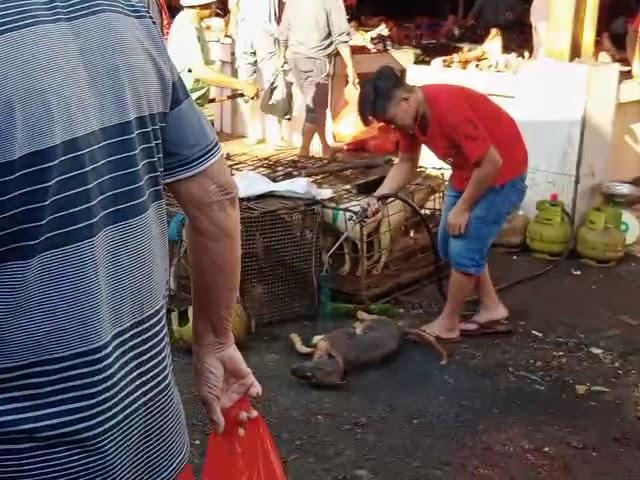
{"x": 440, "y": 339}
{"x": 493, "y": 327}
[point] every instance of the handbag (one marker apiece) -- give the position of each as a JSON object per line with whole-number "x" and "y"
{"x": 278, "y": 97}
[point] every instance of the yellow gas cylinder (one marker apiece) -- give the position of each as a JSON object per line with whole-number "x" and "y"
{"x": 514, "y": 232}
{"x": 549, "y": 233}
{"x": 600, "y": 240}
{"x": 181, "y": 329}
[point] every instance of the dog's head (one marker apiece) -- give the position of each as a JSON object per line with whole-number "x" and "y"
{"x": 323, "y": 372}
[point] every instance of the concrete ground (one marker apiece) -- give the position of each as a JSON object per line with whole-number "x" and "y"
{"x": 559, "y": 399}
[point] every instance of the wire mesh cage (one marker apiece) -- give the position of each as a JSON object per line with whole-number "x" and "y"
{"x": 389, "y": 252}
{"x": 280, "y": 258}
{"x": 285, "y": 241}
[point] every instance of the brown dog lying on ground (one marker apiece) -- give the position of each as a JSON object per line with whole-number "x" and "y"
{"x": 371, "y": 340}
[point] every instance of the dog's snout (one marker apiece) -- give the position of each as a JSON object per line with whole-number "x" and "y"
{"x": 302, "y": 372}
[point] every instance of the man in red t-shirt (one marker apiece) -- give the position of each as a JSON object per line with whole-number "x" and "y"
{"x": 488, "y": 157}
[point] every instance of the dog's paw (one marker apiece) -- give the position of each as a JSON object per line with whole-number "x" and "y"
{"x": 344, "y": 270}
{"x": 378, "y": 269}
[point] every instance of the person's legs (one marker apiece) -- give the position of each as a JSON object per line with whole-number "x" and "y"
{"x": 247, "y": 66}
{"x": 312, "y": 77}
{"x": 491, "y": 308}
{"x": 303, "y": 76}
{"x": 268, "y": 65}
{"x": 321, "y": 104}
{"x": 467, "y": 255}
{"x": 447, "y": 325}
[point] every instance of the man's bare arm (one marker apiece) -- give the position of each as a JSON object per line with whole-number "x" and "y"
{"x": 401, "y": 174}
{"x": 214, "y": 253}
{"x": 481, "y": 179}
{"x": 345, "y": 53}
{"x": 211, "y": 76}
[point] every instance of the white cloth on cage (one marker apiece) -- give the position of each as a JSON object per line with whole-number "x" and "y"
{"x": 253, "y": 184}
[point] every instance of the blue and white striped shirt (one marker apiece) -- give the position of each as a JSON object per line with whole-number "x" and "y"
{"x": 93, "y": 120}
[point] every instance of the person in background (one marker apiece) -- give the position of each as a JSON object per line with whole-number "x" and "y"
{"x": 617, "y": 28}
{"x": 160, "y": 14}
{"x": 488, "y": 157}
{"x": 633, "y": 45}
{"x": 254, "y": 25}
{"x": 85, "y": 362}
{"x": 496, "y": 13}
{"x": 310, "y": 33}
{"x": 539, "y": 15}
{"x": 189, "y": 52}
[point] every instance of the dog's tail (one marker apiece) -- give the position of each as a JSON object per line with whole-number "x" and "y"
{"x": 299, "y": 346}
{"x": 417, "y": 335}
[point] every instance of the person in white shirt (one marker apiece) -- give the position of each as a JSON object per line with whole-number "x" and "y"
{"x": 254, "y": 25}
{"x": 539, "y": 16}
{"x": 188, "y": 51}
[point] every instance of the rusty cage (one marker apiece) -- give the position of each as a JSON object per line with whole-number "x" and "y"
{"x": 285, "y": 240}
{"x": 404, "y": 256}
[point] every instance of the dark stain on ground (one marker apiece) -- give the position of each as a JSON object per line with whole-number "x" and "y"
{"x": 504, "y": 408}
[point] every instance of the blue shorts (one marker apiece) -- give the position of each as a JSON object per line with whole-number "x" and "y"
{"x": 468, "y": 253}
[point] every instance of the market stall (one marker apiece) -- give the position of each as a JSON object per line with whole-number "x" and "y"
{"x": 580, "y": 119}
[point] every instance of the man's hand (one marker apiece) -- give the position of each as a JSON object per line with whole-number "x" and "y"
{"x": 250, "y": 90}
{"x": 457, "y": 220}
{"x": 222, "y": 378}
{"x": 372, "y": 206}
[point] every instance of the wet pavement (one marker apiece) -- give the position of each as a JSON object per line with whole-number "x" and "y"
{"x": 558, "y": 399}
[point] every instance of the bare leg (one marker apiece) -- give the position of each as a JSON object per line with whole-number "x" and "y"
{"x": 320, "y": 106}
{"x": 447, "y": 325}
{"x": 308, "y": 131}
{"x": 491, "y": 308}
{"x": 327, "y": 150}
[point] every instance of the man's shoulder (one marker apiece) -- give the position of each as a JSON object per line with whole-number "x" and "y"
{"x": 447, "y": 99}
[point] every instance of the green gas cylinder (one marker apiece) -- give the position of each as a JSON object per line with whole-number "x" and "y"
{"x": 600, "y": 240}
{"x": 549, "y": 233}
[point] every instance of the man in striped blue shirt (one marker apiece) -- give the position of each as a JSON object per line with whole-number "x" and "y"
{"x": 94, "y": 121}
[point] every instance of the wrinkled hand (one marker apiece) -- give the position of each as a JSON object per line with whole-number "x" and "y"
{"x": 222, "y": 378}
{"x": 457, "y": 220}
{"x": 250, "y": 90}
{"x": 372, "y": 206}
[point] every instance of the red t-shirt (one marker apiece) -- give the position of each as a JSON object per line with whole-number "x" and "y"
{"x": 463, "y": 125}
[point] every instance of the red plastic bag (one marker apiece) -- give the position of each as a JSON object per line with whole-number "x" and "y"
{"x": 186, "y": 473}
{"x": 253, "y": 456}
